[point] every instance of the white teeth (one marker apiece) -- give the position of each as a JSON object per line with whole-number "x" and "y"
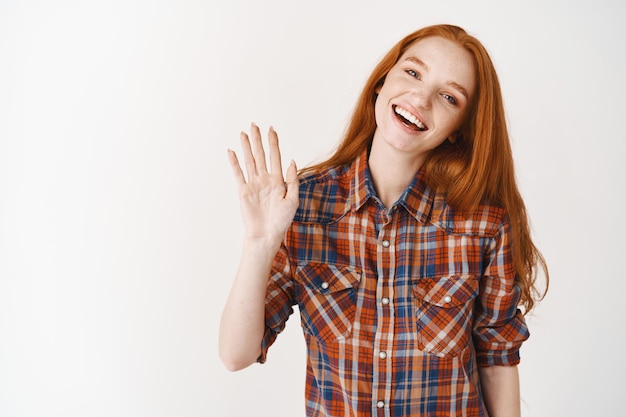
{"x": 410, "y": 117}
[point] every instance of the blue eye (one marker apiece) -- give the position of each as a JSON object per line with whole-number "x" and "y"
{"x": 450, "y": 99}
{"x": 413, "y": 73}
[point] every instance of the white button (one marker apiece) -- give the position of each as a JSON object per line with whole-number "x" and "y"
{"x": 325, "y": 285}
{"x": 385, "y": 301}
{"x": 447, "y": 299}
{"x": 380, "y": 404}
{"x": 386, "y": 243}
{"x": 382, "y": 355}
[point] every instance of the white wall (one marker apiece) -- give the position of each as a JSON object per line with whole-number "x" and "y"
{"x": 119, "y": 226}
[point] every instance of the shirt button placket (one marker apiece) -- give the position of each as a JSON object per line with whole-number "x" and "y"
{"x": 382, "y": 384}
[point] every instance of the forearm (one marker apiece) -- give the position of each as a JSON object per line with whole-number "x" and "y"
{"x": 268, "y": 204}
{"x": 500, "y": 385}
{"x": 243, "y": 318}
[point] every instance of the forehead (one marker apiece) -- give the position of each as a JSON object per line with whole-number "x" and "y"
{"x": 444, "y": 58}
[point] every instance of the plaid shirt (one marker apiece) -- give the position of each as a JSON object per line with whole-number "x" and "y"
{"x": 398, "y": 307}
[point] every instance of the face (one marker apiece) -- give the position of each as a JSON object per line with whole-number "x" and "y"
{"x": 425, "y": 97}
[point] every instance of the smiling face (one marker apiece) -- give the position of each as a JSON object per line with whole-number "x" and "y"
{"x": 424, "y": 98}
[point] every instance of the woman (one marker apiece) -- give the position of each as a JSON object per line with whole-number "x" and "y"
{"x": 408, "y": 251}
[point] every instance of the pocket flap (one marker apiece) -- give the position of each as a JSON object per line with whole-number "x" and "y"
{"x": 328, "y": 278}
{"x": 447, "y": 291}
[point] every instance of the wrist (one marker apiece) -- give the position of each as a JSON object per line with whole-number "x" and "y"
{"x": 262, "y": 245}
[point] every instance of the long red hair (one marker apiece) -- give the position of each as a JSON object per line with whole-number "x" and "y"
{"x": 476, "y": 167}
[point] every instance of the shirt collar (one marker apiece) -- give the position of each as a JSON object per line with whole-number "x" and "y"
{"x": 362, "y": 188}
{"x": 417, "y": 198}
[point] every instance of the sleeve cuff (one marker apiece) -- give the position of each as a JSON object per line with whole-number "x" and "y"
{"x": 268, "y": 339}
{"x": 501, "y": 357}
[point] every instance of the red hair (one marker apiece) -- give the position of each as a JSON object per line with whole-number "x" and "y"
{"x": 476, "y": 167}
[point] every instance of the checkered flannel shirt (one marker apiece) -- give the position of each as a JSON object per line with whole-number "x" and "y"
{"x": 399, "y": 306}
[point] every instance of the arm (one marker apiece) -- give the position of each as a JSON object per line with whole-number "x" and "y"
{"x": 499, "y": 327}
{"x": 243, "y": 318}
{"x": 267, "y": 210}
{"x": 500, "y": 386}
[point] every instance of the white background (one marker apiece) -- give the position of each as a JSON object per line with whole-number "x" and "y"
{"x": 119, "y": 222}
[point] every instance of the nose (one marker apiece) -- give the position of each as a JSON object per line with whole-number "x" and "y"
{"x": 422, "y": 97}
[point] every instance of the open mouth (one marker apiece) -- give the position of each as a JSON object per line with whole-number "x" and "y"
{"x": 409, "y": 119}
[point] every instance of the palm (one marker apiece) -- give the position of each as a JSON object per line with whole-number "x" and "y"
{"x": 268, "y": 203}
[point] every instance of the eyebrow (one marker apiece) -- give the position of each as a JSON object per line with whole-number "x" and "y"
{"x": 453, "y": 84}
{"x": 417, "y": 61}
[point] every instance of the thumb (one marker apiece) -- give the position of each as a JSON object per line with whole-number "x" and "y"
{"x": 291, "y": 178}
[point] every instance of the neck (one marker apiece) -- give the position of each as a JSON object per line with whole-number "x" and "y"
{"x": 392, "y": 171}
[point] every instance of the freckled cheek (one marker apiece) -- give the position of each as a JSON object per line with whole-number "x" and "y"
{"x": 378, "y": 110}
{"x": 451, "y": 120}
{"x": 458, "y": 122}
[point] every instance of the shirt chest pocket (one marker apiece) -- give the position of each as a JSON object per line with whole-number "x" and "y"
{"x": 444, "y": 309}
{"x": 326, "y": 297}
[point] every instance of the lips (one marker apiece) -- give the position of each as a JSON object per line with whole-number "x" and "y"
{"x": 409, "y": 119}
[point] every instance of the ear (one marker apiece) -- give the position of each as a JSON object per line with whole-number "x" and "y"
{"x": 452, "y": 137}
{"x": 379, "y": 85}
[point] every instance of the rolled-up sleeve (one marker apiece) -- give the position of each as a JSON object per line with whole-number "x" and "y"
{"x": 279, "y": 299}
{"x": 499, "y": 326}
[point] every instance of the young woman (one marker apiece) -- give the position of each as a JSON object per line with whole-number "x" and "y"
{"x": 408, "y": 252}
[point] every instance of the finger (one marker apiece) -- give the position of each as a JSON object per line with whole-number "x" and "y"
{"x": 247, "y": 155}
{"x": 275, "y": 158}
{"x": 292, "y": 182}
{"x": 237, "y": 172}
{"x": 257, "y": 148}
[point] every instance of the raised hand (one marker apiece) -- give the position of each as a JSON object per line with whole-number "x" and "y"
{"x": 268, "y": 200}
